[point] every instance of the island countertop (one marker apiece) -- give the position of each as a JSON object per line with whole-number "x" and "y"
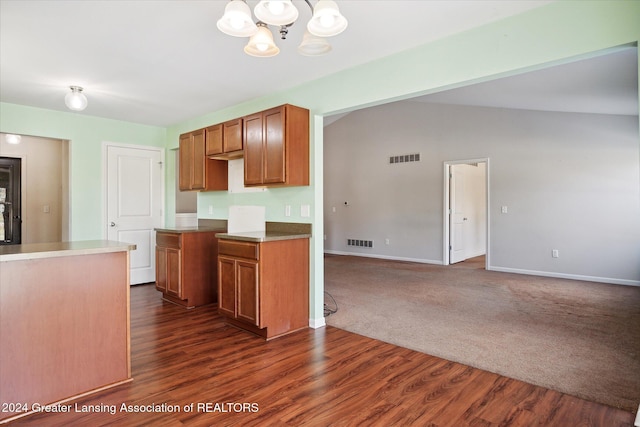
{"x": 59, "y": 249}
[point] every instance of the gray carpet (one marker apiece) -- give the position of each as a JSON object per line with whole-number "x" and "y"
{"x": 580, "y": 338}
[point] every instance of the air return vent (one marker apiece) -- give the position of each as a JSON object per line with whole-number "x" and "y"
{"x": 405, "y": 158}
{"x": 360, "y": 243}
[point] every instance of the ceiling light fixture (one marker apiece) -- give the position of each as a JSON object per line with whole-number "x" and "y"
{"x": 76, "y": 100}
{"x": 326, "y": 21}
{"x": 12, "y": 139}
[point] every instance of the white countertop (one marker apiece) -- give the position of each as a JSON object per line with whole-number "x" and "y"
{"x": 59, "y": 249}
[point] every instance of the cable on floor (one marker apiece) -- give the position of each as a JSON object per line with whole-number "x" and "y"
{"x": 332, "y": 308}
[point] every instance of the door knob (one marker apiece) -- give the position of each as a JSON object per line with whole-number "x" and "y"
{"x": 113, "y": 224}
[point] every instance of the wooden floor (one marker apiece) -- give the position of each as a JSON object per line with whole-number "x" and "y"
{"x": 197, "y": 371}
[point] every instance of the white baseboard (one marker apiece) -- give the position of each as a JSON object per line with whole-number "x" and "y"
{"x": 392, "y": 258}
{"x": 317, "y": 323}
{"x": 566, "y": 276}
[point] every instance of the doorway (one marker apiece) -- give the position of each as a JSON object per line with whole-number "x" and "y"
{"x": 134, "y": 202}
{"x": 10, "y": 201}
{"x": 466, "y": 212}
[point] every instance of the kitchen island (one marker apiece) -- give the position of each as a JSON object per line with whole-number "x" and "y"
{"x": 64, "y": 322}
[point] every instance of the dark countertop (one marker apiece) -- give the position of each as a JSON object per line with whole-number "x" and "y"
{"x": 198, "y": 229}
{"x": 274, "y": 231}
{"x": 263, "y": 236}
{"x": 203, "y": 225}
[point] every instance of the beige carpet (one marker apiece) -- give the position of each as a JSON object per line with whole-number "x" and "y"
{"x": 580, "y": 338}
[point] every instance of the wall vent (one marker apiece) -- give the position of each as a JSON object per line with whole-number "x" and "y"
{"x": 406, "y": 158}
{"x": 360, "y": 243}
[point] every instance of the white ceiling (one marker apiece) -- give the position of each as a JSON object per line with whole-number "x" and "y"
{"x": 163, "y": 62}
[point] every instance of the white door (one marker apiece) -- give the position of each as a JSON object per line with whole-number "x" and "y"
{"x": 457, "y": 216}
{"x": 134, "y": 203}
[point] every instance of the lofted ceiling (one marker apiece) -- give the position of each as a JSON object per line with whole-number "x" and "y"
{"x": 164, "y": 62}
{"x": 606, "y": 83}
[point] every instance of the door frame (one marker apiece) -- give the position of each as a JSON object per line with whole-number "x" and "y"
{"x": 105, "y": 195}
{"x": 22, "y": 167}
{"x": 446, "y": 190}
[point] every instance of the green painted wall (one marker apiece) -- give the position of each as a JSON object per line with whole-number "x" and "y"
{"x": 86, "y": 135}
{"x": 551, "y": 34}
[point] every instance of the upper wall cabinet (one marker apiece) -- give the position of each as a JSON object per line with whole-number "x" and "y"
{"x": 276, "y": 147}
{"x": 197, "y": 172}
{"x": 225, "y": 140}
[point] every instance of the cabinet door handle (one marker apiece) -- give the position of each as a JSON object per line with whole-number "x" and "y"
{"x": 113, "y": 224}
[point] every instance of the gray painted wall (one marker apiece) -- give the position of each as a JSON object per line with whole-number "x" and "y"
{"x": 571, "y": 182}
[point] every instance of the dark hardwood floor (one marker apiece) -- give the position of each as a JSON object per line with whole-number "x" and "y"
{"x": 310, "y": 378}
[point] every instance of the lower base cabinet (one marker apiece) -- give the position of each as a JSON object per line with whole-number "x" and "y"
{"x": 264, "y": 287}
{"x": 184, "y": 272}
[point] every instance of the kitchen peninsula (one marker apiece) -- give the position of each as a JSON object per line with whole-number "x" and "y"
{"x": 64, "y": 317}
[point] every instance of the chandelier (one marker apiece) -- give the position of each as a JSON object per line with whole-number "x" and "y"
{"x": 326, "y": 21}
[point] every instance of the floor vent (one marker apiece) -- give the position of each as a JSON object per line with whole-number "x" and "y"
{"x": 360, "y": 243}
{"x": 405, "y": 158}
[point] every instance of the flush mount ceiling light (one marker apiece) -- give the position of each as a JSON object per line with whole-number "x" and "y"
{"x": 326, "y": 21}
{"x": 12, "y": 139}
{"x": 76, "y": 100}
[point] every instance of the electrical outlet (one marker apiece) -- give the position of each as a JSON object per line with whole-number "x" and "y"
{"x": 555, "y": 253}
{"x": 287, "y": 210}
{"x": 504, "y": 209}
{"x": 210, "y": 210}
{"x": 386, "y": 241}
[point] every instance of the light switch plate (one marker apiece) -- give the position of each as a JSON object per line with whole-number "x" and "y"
{"x": 305, "y": 211}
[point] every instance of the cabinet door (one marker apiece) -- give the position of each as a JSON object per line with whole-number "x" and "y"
{"x": 226, "y": 286}
{"x": 273, "y": 149}
{"x": 213, "y": 140}
{"x": 185, "y": 156}
{"x": 247, "y": 292}
{"x": 174, "y": 273}
{"x": 232, "y": 136}
{"x": 161, "y": 269}
{"x": 198, "y": 175}
{"x": 253, "y": 149}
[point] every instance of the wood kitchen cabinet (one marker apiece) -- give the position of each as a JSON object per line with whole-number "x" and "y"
{"x": 264, "y": 287}
{"x": 225, "y": 140}
{"x": 184, "y": 272}
{"x": 197, "y": 172}
{"x": 276, "y": 147}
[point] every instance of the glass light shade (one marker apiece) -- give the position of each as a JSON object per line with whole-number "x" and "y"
{"x": 326, "y": 20}
{"x": 237, "y": 20}
{"x": 276, "y": 12}
{"x": 313, "y": 45}
{"x": 75, "y": 99}
{"x": 12, "y": 139}
{"x": 261, "y": 43}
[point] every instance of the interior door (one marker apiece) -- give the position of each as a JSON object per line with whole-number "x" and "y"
{"x": 457, "y": 216}
{"x": 134, "y": 204}
{"x": 10, "y": 200}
